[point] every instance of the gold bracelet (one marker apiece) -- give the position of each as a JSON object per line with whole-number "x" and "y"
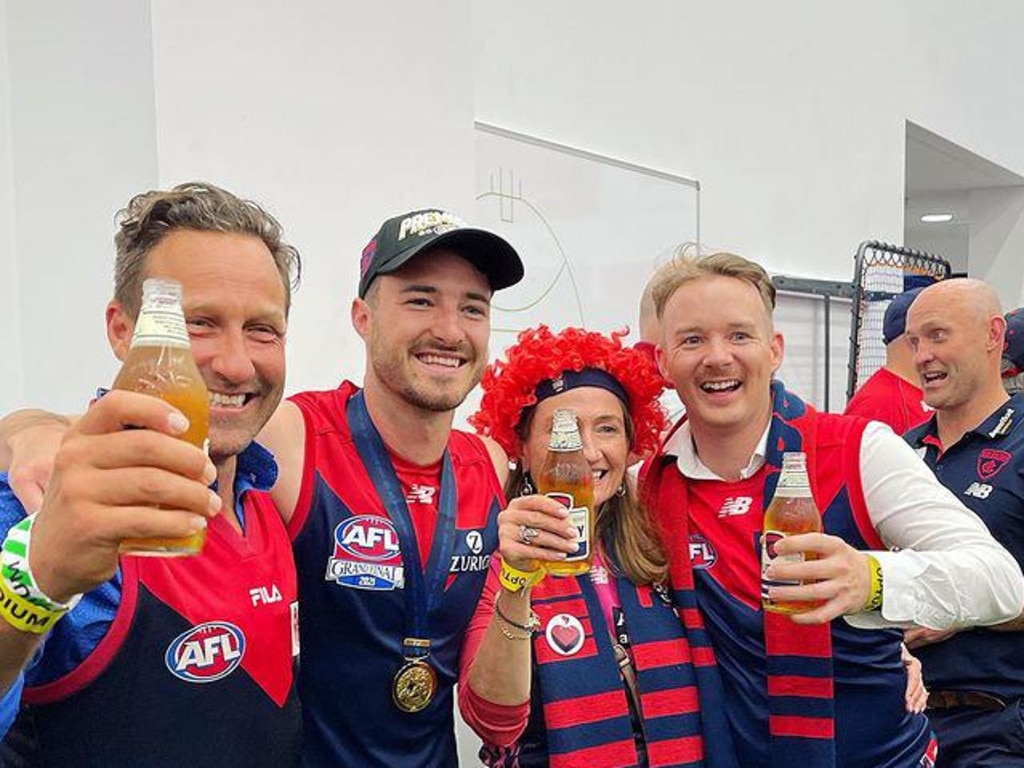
{"x": 23, "y": 615}
{"x": 874, "y": 601}
{"x": 511, "y": 635}
{"x": 515, "y": 580}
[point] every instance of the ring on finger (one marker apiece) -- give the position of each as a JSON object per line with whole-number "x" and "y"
{"x": 527, "y": 534}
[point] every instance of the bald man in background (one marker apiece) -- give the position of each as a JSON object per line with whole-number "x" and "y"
{"x": 975, "y": 445}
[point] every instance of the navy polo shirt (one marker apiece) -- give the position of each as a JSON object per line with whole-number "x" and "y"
{"x": 985, "y": 470}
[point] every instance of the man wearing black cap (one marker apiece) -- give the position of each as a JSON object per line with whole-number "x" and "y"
{"x": 893, "y": 393}
{"x": 392, "y": 513}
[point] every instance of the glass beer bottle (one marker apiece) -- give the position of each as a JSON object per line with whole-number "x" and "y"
{"x": 160, "y": 363}
{"x": 792, "y": 511}
{"x": 565, "y": 476}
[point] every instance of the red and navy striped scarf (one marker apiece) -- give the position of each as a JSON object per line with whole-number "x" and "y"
{"x": 586, "y": 712}
{"x": 799, "y": 658}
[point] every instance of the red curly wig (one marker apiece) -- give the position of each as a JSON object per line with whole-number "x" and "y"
{"x": 538, "y": 355}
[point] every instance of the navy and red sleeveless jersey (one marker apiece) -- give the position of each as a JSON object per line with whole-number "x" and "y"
{"x": 197, "y": 669}
{"x": 350, "y": 568}
{"x": 985, "y": 470}
{"x": 872, "y": 727}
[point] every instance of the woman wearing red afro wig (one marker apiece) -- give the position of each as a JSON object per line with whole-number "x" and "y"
{"x": 595, "y": 669}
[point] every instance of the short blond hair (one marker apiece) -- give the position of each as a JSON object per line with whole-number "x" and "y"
{"x": 686, "y": 267}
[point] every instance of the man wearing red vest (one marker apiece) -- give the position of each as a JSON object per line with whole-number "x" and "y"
{"x": 809, "y": 690}
{"x": 893, "y": 394}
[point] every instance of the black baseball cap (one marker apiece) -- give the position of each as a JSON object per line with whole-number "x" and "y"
{"x": 402, "y": 237}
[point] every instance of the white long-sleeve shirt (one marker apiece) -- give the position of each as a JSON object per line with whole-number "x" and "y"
{"x": 946, "y": 569}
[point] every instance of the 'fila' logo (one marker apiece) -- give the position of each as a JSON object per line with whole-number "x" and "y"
{"x": 264, "y": 595}
{"x": 206, "y": 652}
{"x": 736, "y": 505}
{"x": 978, "y": 490}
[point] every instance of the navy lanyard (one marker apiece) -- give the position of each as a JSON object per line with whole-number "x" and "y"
{"x": 419, "y": 600}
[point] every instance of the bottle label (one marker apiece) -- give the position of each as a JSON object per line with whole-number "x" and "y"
{"x": 793, "y": 485}
{"x": 159, "y": 327}
{"x": 768, "y": 556}
{"x": 565, "y": 441}
{"x": 579, "y": 518}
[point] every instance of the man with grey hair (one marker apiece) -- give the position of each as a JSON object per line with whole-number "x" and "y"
{"x": 156, "y": 661}
{"x": 975, "y": 445}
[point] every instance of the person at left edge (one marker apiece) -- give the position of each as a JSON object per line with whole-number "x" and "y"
{"x": 392, "y": 513}
{"x": 171, "y": 662}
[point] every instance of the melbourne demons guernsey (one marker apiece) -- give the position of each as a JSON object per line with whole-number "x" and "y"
{"x": 985, "y": 470}
{"x": 197, "y": 668}
{"x": 890, "y": 399}
{"x": 353, "y": 610}
{"x": 872, "y": 727}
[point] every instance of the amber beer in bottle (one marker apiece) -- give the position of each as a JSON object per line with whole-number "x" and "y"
{"x": 792, "y": 511}
{"x": 566, "y": 477}
{"x": 160, "y": 363}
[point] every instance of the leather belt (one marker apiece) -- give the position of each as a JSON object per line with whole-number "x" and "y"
{"x": 976, "y": 699}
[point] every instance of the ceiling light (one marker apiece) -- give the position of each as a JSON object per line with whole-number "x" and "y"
{"x": 937, "y": 218}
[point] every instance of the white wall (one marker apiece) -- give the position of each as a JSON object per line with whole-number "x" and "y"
{"x": 791, "y": 116}
{"x": 11, "y": 377}
{"x": 81, "y": 140}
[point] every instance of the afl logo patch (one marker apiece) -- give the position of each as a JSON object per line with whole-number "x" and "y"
{"x": 366, "y": 554}
{"x": 564, "y": 634}
{"x": 368, "y": 538}
{"x": 205, "y": 653}
{"x": 702, "y": 553}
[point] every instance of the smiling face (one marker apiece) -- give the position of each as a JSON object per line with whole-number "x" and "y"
{"x": 235, "y": 309}
{"x": 426, "y": 328}
{"x": 602, "y": 425}
{"x": 720, "y": 351}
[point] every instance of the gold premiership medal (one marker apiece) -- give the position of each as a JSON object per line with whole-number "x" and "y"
{"x": 414, "y": 685}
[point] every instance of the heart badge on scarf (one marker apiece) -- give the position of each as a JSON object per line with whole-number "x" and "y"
{"x": 564, "y": 634}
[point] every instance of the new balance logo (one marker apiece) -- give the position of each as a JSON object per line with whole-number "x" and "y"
{"x": 735, "y": 505}
{"x": 420, "y": 494}
{"x": 978, "y": 490}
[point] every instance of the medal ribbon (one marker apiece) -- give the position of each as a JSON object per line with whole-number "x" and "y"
{"x": 422, "y": 591}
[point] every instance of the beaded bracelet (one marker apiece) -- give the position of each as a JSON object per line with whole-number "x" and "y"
{"x": 874, "y": 601}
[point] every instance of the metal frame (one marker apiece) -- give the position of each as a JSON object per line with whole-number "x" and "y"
{"x": 827, "y": 290}
{"x": 899, "y": 256}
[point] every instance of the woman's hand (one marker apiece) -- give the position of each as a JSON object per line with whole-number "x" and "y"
{"x": 535, "y": 528}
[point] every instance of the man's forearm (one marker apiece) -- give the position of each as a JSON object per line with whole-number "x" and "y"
{"x": 17, "y": 422}
{"x": 16, "y": 648}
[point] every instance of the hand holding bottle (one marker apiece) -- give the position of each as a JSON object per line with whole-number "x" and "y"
{"x": 105, "y": 481}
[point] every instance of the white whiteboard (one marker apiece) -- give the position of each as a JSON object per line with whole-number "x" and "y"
{"x": 590, "y": 230}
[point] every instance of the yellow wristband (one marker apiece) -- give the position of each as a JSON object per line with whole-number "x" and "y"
{"x": 23, "y": 615}
{"x": 874, "y": 601}
{"x": 514, "y": 580}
